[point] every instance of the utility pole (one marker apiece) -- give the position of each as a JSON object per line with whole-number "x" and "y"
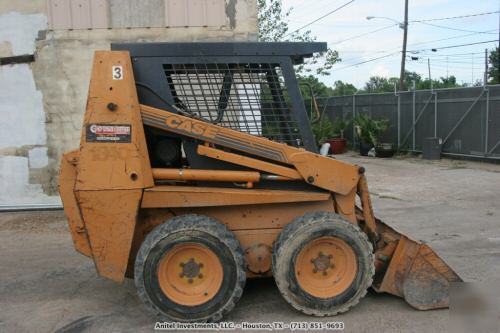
{"x": 472, "y": 70}
{"x": 429, "y": 67}
{"x": 447, "y": 76}
{"x": 403, "y": 55}
{"x": 485, "y": 79}
{"x": 498, "y": 49}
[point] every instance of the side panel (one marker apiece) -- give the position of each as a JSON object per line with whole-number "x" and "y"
{"x": 113, "y": 151}
{"x": 110, "y": 219}
{"x": 253, "y": 217}
{"x": 113, "y": 163}
{"x": 67, "y": 178}
{"x": 195, "y": 196}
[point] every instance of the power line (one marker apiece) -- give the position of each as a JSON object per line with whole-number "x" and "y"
{"x": 320, "y": 18}
{"x": 455, "y": 29}
{"x": 448, "y": 38}
{"x": 337, "y": 25}
{"x": 453, "y": 46}
{"x": 457, "y": 54}
{"x": 369, "y": 60}
{"x": 477, "y": 61}
{"x": 310, "y": 8}
{"x": 364, "y": 34}
{"x": 455, "y": 17}
{"x": 391, "y": 54}
{"x": 413, "y": 44}
{"x": 469, "y": 64}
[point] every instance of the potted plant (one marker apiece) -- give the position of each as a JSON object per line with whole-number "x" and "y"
{"x": 369, "y": 131}
{"x": 323, "y": 130}
{"x": 384, "y": 149}
{"x": 338, "y": 143}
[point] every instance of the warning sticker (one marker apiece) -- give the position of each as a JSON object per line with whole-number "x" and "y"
{"x": 108, "y": 133}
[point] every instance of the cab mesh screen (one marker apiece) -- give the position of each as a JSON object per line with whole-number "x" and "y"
{"x": 247, "y": 97}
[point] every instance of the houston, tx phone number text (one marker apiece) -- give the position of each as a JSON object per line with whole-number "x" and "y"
{"x": 231, "y": 326}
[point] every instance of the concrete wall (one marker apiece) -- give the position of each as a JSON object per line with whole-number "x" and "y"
{"x": 42, "y": 102}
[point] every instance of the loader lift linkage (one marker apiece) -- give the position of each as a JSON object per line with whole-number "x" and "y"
{"x": 197, "y": 169}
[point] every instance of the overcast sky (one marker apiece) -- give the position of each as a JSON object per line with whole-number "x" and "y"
{"x": 338, "y": 29}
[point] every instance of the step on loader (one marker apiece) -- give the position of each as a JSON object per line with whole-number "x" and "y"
{"x": 197, "y": 169}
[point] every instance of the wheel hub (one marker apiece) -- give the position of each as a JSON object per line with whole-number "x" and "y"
{"x": 326, "y": 267}
{"x": 191, "y": 269}
{"x": 190, "y": 274}
{"x": 322, "y": 263}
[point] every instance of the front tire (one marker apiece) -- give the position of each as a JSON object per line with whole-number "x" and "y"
{"x": 190, "y": 269}
{"x": 322, "y": 264}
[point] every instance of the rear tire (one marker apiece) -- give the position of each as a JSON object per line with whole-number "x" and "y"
{"x": 190, "y": 269}
{"x": 322, "y": 264}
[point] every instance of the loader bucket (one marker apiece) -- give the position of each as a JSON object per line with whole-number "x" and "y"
{"x": 416, "y": 273}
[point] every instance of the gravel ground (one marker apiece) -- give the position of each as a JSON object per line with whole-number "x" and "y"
{"x": 45, "y": 286}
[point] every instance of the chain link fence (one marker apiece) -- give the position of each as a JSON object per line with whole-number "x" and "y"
{"x": 466, "y": 119}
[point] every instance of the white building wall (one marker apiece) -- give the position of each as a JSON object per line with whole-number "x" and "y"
{"x": 42, "y": 102}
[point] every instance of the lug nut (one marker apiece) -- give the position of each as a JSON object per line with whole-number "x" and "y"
{"x": 200, "y": 276}
{"x": 190, "y": 280}
{"x": 315, "y": 270}
{"x": 324, "y": 273}
{"x": 200, "y": 265}
{"x": 181, "y": 275}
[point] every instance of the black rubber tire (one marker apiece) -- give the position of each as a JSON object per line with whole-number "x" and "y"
{"x": 300, "y": 232}
{"x": 190, "y": 228}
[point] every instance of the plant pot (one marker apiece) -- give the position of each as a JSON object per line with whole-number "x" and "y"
{"x": 364, "y": 148}
{"x": 337, "y": 145}
{"x": 385, "y": 150}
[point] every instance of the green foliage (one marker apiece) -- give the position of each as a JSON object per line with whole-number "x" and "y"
{"x": 378, "y": 84}
{"x": 311, "y": 87}
{"x": 310, "y": 82}
{"x": 325, "y": 129}
{"x": 322, "y": 130}
{"x": 369, "y": 129}
{"x": 273, "y": 27}
{"x": 494, "y": 61}
{"x": 270, "y": 130}
{"x": 343, "y": 88}
{"x": 340, "y": 126}
{"x": 271, "y": 18}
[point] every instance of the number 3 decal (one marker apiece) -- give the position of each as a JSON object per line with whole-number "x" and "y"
{"x": 117, "y": 73}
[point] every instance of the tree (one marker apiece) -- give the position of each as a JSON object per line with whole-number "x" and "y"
{"x": 410, "y": 77}
{"x": 310, "y": 85}
{"x": 378, "y": 84}
{"x": 310, "y": 82}
{"x": 273, "y": 27}
{"x": 341, "y": 88}
{"x": 493, "y": 67}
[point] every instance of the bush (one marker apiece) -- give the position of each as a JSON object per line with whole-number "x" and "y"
{"x": 369, "y": 129}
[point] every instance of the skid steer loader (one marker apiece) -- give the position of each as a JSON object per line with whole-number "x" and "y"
{"x": 197, "y": 169}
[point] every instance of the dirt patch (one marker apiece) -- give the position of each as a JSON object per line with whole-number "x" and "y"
{"x": 34, "y": 221}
